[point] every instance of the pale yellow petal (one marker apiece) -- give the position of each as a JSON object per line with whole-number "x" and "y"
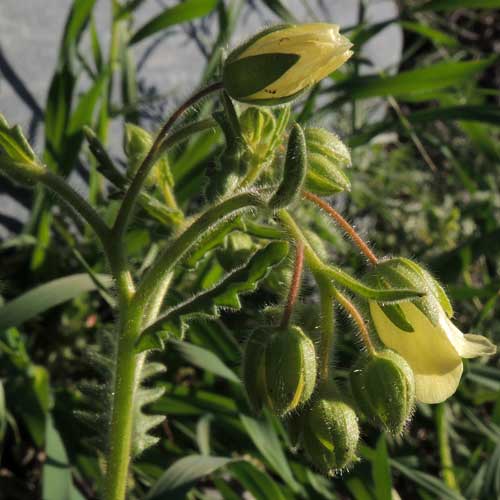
{"x": 432, "y": 357}
{"x": 433, "y": 389}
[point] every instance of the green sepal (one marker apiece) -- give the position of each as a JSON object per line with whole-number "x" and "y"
{"x": 294, "y": 170}
{"x": 396, "y": 315}
{"x": 402, "y": 272}
{"x": 375, "y": 292}
{"x": 249, "y": 75}
{"x": 208, "y": 304}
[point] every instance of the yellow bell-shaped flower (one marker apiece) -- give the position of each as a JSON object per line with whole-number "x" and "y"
{"x": 278, "y": 63}
{"x": 422, "y": 332}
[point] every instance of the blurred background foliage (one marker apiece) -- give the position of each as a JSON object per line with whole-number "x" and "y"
{"x": 425, "y": 182}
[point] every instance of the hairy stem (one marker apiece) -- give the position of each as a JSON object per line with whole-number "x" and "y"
{"x": 327, "y": 294}
{"x": 295, "y": 285}
{"x": 351, "y": 232}
{"x": 358, "y": 319}
{"x": 140, "y": 177}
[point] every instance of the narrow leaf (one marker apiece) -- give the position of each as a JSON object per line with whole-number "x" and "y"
{"x": 46, "y": 296}
{"x": 182, "y": 12}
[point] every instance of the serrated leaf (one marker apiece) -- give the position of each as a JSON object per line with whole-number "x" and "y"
{"x": 224, "y": 294}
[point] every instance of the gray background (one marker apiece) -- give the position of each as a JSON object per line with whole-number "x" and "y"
{"x": 30, "y": 32}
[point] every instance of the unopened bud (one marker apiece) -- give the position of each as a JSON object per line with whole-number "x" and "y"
{"x": 383, "y": 387}
{"x": 278, "y": 63}
{"x": 330, "y": 434}
{"x": 279, "y": 369}
{"x": 294, "y": 170}
{"x": 327, "y": 156}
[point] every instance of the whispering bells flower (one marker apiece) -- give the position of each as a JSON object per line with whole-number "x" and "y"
{"x": 279, "y": 63}
{"x": 422, "y": 333}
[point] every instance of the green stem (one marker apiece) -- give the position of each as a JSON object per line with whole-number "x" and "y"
{"x": 447, "y": 470}
{"x": 327, "y": 294}
{"x": 206, "y": 222}
{"x": 158, "y": 147}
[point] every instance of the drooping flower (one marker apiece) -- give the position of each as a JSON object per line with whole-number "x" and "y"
{"x": 422, "y": 332}
{"x": 279, "y": 63}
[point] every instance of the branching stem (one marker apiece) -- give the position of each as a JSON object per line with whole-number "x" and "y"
{"x": 140, "y": 177}
{"x": 352, "y": 233}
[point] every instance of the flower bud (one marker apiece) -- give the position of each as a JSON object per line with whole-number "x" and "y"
{"x": 279, "y": 369}
{"x": 136, "y": 144}
{"x": 330, "y": 434}
{"x": 290, "y": 369}
{"x": 383, "y": 387}
{"x": 253, "y": 368}
{"x": 278, "y": 63}
{"x": 17, "y": 159}
{"x": 327, "y": 156}
{"x": 258, "y": 126}
{"x": 294, "y": 170}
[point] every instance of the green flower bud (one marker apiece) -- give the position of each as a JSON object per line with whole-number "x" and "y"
{"x": 290, "y": 369}
{"x": 277, "y": 64}
{"x": 294, "y": 170}
{"x": 327, "y": 156}
{"x": 136, "y": 144}
{"x": 383, "y": 387}
{"x": 253, "y": 368}
{"x": 330, "y": 434}
{"x": 279, "y": 369}
{"x": 17, "y": 159}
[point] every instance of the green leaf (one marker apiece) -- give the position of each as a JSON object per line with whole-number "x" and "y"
{"x": 84, "y": 111}
{"x": 181, "y": 13}
{"x": 431, "y": 78}
{"x": 381, "y": 471}
{"x": 13, "y": 144}
{"x": 429, "y": 483}
{"x": 436, "y": 36}
{"x": 444, "y": 5}
{"x": 46, "y": 296}
{"x": 181, "y": 476}
{"x": 205, "y": 360}
{"x": 57, "y": 482}
{"x": 264, "y": 436}
{"x": 223, "y": 295}
{"x": 258, "y": 483}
